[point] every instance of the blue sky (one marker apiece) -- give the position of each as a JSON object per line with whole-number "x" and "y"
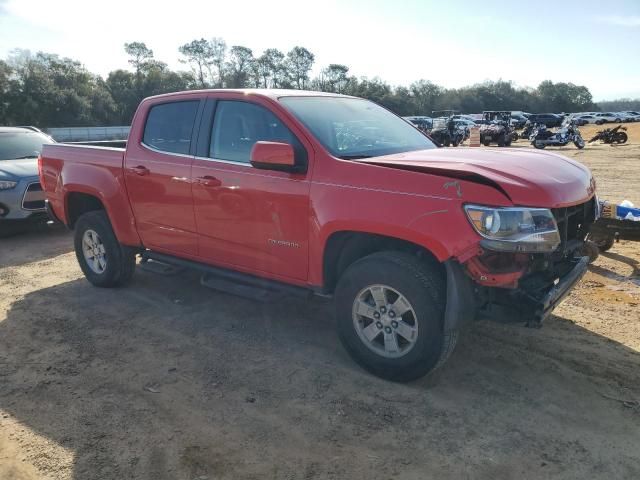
{"x": 453, "y": 43}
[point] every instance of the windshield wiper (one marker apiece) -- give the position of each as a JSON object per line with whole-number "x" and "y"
{"x": 25, "y": 157}
{"x": 354, "y": 157}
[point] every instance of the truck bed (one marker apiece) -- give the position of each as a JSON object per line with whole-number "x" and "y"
{"x": 90, "y": 170}
{"x": 87, "y": 154}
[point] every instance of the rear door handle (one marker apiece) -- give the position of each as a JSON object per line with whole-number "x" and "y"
{"x": 140, "y": 170}
{"x": 209, "y": 181}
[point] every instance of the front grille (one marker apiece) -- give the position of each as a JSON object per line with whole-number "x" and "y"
{"x": 34, "y": 197}
{"x": 573, "y": 224}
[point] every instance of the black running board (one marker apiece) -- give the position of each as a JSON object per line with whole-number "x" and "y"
{"x": 233, "y": 282}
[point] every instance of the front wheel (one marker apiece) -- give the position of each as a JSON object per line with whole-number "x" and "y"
{"x": 103, "y": 260}
{"x": 538, "y": 145}
{"x": 579, "y": 143}
{"x": 389, "y": 310}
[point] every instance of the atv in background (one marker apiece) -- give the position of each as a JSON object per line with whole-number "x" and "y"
{"x": 446, "y": 131}
{"x": 611, "y": 135}
{"x": 497, "y": 128}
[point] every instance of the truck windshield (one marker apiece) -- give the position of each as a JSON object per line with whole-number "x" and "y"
{"x": 21, "y": 144}
{"x": 352, "y": 128}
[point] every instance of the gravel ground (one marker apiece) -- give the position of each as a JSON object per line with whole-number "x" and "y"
{"x": 166, "y": 379}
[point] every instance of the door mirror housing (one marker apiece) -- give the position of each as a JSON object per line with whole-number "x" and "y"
{"x": 273, "y": 156}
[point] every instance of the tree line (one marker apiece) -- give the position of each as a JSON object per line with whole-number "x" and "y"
{"x": 46, "y": 90}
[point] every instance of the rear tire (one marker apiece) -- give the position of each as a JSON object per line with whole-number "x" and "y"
{"x": 620, "y": 137}
{"x": 384, "y": 284}
{"x": 103, "y": 260}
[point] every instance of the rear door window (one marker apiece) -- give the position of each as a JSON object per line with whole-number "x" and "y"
{"x": 238, "y": 125}
{"x": 170, "y": 125}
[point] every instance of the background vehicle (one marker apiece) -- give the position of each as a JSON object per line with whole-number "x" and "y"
{"x": 550, "y": 120}
{"x": 497, "y": 129}
{"x": 422, "y": 122}
{"x": 585, "y": 119}
{"x": 518, "y": 120}
{"x": 21, "y": 196}
{"x": 541, "y": 137}
{"x": 251, "y": 188}
{"x": 448, "y": 131}
{"x": 635, "y": 116}
{"x": 611, "y": 135}
{"x": 627, "y": 117}
{"x": 605, "y": 117}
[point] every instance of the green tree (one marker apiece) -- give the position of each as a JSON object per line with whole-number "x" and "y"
{"x": 199, "y": 55}
{"x": 218, "y": 58}
{"x": 299, "y": 64}
{"x": 239, "y": 66}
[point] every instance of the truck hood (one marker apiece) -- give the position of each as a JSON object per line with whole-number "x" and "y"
{"x": 18, "y": 169}
{"x": 527, "y": 177}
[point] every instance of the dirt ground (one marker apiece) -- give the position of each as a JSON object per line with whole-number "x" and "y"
{"x": 166, "y": 379}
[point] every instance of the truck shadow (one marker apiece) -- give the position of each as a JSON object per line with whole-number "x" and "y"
{"x": 166, "y": 379}
{"x": 57, "y": 240}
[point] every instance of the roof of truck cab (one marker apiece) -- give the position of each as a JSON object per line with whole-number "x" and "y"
{"x": 274, "y": 93}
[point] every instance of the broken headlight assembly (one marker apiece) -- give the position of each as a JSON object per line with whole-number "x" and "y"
{"x": 515, "y": 229}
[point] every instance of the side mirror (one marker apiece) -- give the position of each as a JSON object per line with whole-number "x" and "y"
{"x": 273, "y": 156}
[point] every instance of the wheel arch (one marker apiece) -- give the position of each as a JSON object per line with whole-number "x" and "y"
{"x": 79, "y": 203}
{"x": 345, "y": 247}
{"x": 79, "y": 199}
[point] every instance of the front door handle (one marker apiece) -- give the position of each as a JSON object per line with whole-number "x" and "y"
{"x": 209, "y": 181}
{"x": 140, "y": 170}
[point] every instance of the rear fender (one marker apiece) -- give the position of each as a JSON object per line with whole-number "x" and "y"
{"x": 107, "y": 185}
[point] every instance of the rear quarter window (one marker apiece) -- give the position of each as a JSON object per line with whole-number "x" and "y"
{"x": 169, "y": 126}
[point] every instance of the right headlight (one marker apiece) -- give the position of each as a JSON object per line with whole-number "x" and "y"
{"x": 515, "y": 229}
{"x": 7, "y": 184}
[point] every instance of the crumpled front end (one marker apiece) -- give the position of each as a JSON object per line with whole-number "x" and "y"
{"x": 526, "y": 287}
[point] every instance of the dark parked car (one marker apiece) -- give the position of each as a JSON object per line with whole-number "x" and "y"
{"x": 550, "y": 120}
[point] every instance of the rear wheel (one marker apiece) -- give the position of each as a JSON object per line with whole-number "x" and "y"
{"x": 620, "y": 137}
{"x": 389, "y": 310}
{"x": 103, "y": 260}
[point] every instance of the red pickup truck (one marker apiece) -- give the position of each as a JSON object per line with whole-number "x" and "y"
{"x": 292, "y": 191}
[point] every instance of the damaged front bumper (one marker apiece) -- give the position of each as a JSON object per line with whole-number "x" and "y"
{"x": 544, "y": 305}
{"x": 535, "y": 297}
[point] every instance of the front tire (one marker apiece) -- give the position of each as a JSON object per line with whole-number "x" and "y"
{"x": 103, "y": 260}
{"x": 390, "y": 310}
